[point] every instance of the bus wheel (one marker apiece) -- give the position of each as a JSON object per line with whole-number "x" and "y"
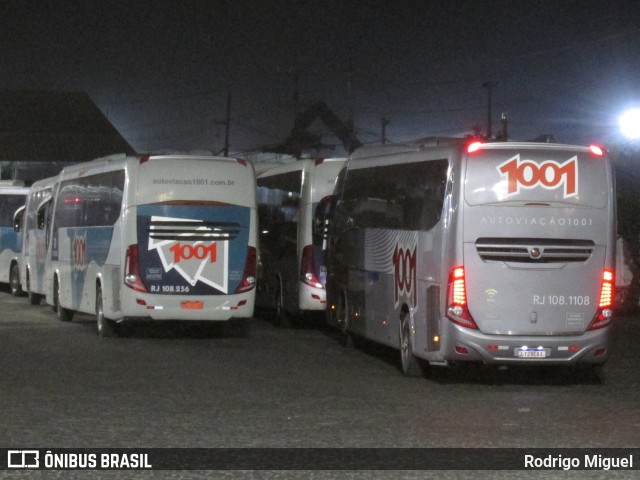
{"x": 34, "y": 298}
{"x": 411, "y": 366}
{"x": 63, "y": 314}
{"x": 104, "y": 326}
{"x": 280, "y": 316}
{"x": 346, "y": 337}
{"x": 14, "y": 280}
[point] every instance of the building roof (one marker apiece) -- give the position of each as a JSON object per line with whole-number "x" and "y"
{"x": 55, "y": 126}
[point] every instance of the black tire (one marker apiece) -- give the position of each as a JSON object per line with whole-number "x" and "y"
{"x": 14, "y": 281}
{"x": 347, "y": 338}
{"x": 63, "y": 314}
{"x": 409, "y": 364}
{"x": 105, "y": 327}
{"x": 280, "y": 317}
{"x": 34, "y": 298}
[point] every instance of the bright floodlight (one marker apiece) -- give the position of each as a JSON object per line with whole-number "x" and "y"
{"x": 630, "y": 123}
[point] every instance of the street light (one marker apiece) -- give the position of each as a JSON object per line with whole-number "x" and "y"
{"x": 629, "y": 123}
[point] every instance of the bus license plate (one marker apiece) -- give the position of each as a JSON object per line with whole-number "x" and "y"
{"x": 192, "y": 305}
{"x": 531, "y": 353}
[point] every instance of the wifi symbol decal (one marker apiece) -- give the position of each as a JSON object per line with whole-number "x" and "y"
{"x": 491, "y": 293}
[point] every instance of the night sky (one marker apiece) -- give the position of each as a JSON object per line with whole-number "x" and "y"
{"x": 161, "y": 71}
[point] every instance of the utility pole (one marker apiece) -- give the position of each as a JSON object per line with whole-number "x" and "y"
{"x": 504, "y": 133}
{"x": 350, "y": 121}
{"x": 384, "y": 123}
{"x": 227, "y": 123}
{"x": 296, "y": 95}
{"x": 489, "y": 86}
{"x": 293, "y": 73}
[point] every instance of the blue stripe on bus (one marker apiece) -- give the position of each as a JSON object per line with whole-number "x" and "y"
{"x": 194, "y": 267}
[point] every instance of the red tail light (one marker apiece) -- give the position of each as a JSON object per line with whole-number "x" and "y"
{"x": 307, "y": 269}
{"x": 596, "y": 150}
{"x": 604, "y": 314}
{"x": 132, "y": 277}
{"x": 457, "y": 310}
{"x": 474, "y": 147}
{"x": 606, "y": 291}
{"x": 458, "y": 290}
{"x": 249, "y": 276}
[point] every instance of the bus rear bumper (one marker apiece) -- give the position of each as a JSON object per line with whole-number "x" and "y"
{"x": 472, "y": 345}
{"x": 312, "y": 298}
{"x": 209, "y": 308}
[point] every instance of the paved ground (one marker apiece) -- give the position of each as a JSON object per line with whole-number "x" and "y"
{"x": 177, "y": 386}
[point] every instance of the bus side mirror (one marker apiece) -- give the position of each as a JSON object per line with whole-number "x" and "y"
{"x": 42, "y": 213}
{"x": 18, "y": 217}
{"x": 41, "y": 218}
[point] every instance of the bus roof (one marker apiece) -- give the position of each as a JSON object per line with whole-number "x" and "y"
{"x": 13, "y": 190}
{"x": 458, "y": 142}
{"x": 121, "y": 158}
{"x": 297, "y": 165}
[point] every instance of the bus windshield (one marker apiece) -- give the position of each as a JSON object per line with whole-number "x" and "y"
{"x": 8, "y": 206}
{"x": 541, "y": 176}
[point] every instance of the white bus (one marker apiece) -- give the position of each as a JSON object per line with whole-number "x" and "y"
{"x": 13, "y": 195}
{"x": 292, "y": 243}
{"x": 34, "y": 250}
{"x": 501, "y": 253}
{"x": 152, "y": 237}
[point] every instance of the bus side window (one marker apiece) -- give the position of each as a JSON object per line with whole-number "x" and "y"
{"x": 43, "y": 219}
{"x": 434, "y": 192}
{"x": 279, "y": 204}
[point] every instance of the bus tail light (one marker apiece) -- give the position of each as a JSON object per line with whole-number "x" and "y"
{"x": 596, "y": 150}
{"x": 249, "y": 275}
{"x": 474, "y": 147}
{"x": 132, "y": 277}
{"x": 457, "y": 309}
{"x": 604, "y": 313}
{"x": 307, "y": 270}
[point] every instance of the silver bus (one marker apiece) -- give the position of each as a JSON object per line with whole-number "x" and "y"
{"x": 168, "y": 237}
{"x": 292, "y": 242}
{"x": 459, "y": 251}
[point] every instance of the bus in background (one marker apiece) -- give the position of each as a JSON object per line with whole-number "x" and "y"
{"x": 13, "y": 195}
{"x": 34, "y": 249}
{"x": 169, "y": 237}
{"x": 292, "y": 242}
{"x": 501, "y": 253}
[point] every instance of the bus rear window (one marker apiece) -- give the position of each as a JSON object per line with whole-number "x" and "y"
{"x": 532, "y": 176}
